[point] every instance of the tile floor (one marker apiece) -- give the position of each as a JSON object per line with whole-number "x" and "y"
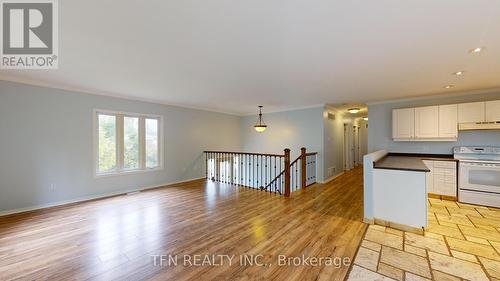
{"x": 462, "y": 242}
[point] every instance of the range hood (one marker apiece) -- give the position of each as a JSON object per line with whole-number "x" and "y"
{"x": 494, "y": 125}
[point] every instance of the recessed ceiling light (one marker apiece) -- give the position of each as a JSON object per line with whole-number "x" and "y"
{"x": 459, "y": 73}
{"x": 449, "y": 86}
{"x": 477, "y": 50}
{"x": 353, "y": 110}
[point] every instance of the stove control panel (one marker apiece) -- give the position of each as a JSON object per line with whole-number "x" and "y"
{"x": 476, "y": 150}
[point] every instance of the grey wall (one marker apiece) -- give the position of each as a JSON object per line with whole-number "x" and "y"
{"x": 333, "y": 143}
{"x": 380, "y": 128}
{"x": 363, "y": 139}
{"x": 290, "y": 129}
{"x": 46, "y": 138}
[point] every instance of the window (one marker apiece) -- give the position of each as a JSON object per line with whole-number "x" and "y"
{"x": 127, "y": 142}
{"x": 152, "y": 143}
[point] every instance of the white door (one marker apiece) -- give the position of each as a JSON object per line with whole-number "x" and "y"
{"x": 430, "y": 176}
{"x": 471, "y": 112}
{"x": 363, "y": 140}
{"x": 448, "y": 121}
{"x": 403, "y": 123}
{"x": 493, "y": 110}
{"x": 346, "y": 148}
{"x": 355, "y": 145}
{"x": 427, "y": 122}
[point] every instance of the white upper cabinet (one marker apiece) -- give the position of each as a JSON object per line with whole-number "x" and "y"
{"x": 442, "y": 122}
{"x": 493, "y": 110}
{"x": 471, "y": 112}
{"x": 427, "y": 122}
{"x": 403, "y": 122}
{"x": 448, "y": 115}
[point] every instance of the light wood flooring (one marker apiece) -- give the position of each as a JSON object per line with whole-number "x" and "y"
{"x": 462, "y": 242}
{"x": 117, "y": 238}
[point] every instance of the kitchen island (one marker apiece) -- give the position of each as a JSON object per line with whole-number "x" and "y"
{"x": 396, "y": 189}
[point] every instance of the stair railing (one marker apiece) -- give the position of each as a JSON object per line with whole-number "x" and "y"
{"x": 267, "y": 172}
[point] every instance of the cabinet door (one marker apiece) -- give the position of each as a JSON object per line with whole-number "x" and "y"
{"x": 448, "y": 121}
{"x": 427, "y": 122}
{"x": 471, "y": 112}
{"x": 445, "y": 178}
{"x": 403, "y": 123}
{"x": 430, "y": 176}
{"x": 493, "y": 110}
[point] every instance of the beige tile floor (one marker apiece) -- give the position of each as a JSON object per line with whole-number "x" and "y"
{"x": 462, "y": 242}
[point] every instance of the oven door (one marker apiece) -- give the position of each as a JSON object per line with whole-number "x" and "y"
{"x": 480, "y": 176}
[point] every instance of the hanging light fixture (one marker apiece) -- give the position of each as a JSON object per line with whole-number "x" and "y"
{"x": 260, "y": 127}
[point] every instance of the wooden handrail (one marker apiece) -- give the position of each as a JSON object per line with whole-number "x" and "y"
{"x": 295, "y": 161}
{"x": 252, "y": 169}
{"x": 280, "y": 174}
{"x": 244, "y": 153}
{"x": 287, "y": 172}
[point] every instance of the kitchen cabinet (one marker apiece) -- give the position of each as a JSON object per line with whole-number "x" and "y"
{"x": 448, "y": 120}
{"x": 430, "y": 176}
{"x": 442, "y": 179}
{"x": 427, "y": 122}
{"x": 493, "y": 111}
{"x": 471, "y": 112}
{"x": 403, "y": 123}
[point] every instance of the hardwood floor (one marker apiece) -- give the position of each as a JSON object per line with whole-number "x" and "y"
{"x": 117, "y": 238}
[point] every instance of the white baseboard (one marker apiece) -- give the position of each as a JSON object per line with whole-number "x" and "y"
{"x": 90, "y": 197}
{"x": 331, "y": 178}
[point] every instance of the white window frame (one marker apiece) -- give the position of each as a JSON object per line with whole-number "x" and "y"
{"x": 119, "y": 142}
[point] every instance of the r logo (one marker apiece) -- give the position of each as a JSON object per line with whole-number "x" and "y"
{"x": 27, "y": 28}
{"x": 29, "y": 34}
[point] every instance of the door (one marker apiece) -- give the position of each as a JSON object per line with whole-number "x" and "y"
{"x": 471, "y": 112}
{"x": 363, "y": 140}
{"x": 427, "y": 122}
{"x": 346, "y": 148}
{"x": 430, "y": 176}
{"x": 355, "y": 145}
{"x": 480, "y": 176}
{"x": 448, "y": 121}
{"x": 493, "y": 110}
{"x": 403, "y": 123}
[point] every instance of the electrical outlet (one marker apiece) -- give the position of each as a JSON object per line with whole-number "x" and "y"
{"x": 331, "y": 171}
{"x": 52, "y": 187}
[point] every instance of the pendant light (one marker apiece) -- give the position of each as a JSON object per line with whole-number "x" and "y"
{"x": 260, "y": 126}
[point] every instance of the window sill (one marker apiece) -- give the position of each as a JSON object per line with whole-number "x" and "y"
{"x": 129, "y": 172}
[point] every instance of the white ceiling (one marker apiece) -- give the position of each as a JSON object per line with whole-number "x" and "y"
{"x": 230, "y": 56}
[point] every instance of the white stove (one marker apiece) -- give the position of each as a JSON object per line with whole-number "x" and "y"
{"x": 479, "y": 175}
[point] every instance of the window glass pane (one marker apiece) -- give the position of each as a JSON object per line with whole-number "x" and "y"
{"x": 152, "y": 157}
{"x": 107, "y": 142}
{"x": 130, "y": 142}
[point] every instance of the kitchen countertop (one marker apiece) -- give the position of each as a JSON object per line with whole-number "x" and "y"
{"x": 409, "y": 162}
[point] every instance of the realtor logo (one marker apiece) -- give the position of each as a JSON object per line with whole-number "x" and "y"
{"x": 29, "y": 34}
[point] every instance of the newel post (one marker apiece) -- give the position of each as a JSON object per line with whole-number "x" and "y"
{"x": 287, "y": 172}
{"x": 303, "y": 170}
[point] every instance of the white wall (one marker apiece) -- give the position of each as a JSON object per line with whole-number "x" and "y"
{"x": 333, "y": 143}
{"x": 368, "y": 201}
{"x": 290, "y": 129}
{"x": 46, "y": 138}
{"x": 380, "y": 128}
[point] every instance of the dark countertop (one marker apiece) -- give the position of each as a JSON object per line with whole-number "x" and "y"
{"x": 409, "y": 162}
